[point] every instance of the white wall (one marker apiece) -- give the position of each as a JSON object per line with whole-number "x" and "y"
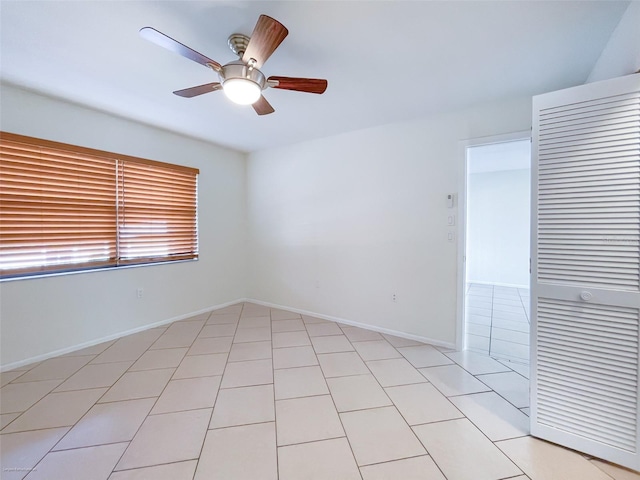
{"x": 498, "y": 239}
{"x": 621, "y": 56}
{"x": 338, "y": 225}
{"x": 42, "y": 315}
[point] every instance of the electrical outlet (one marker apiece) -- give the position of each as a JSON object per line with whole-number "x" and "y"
{"x": 140, "y": 292}
{"x": 394, "y": 298}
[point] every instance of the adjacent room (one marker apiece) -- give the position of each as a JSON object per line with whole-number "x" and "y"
{"x": 289, "y": 240}
{"x": 498, "y": 207}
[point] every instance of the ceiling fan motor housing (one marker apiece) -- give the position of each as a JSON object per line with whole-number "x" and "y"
{"x": 238, "y": 69}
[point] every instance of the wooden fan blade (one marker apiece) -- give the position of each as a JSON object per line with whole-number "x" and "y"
{"x": 267, "y": 35}
{"x": 169, "y": 43}
{"x": 309, "y": 85}
{"x": 262, "y": 107}
{"x": 199, "y": 90}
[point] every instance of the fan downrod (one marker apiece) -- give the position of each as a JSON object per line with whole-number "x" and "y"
{"x": 238, "y": 43}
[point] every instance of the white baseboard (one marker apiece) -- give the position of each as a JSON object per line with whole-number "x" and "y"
{"x": 498, "y": 284}
{"x": 91, "y": 343}
{"x": 375, "y": 328}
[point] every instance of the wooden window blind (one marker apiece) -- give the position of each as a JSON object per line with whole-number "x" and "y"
{"x": 156, "y": 213}
{"x": 66, "y": 208}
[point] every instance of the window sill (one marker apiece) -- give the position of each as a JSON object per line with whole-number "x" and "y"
{"x": 31, "y": 276}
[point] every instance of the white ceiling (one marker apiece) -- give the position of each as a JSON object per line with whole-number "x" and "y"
{"x": 386, "y": 61}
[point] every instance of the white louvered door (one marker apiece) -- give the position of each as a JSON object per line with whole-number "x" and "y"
{"x": 586, "y": 269}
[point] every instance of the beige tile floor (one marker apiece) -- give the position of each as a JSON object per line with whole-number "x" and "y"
{"x": 253, "y": 393}
{"x": 497, "y": 321}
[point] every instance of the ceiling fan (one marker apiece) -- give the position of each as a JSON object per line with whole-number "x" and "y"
{"x": 241, "y": 80}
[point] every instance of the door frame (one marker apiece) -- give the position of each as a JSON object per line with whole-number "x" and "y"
{"x": 463, "y": 148}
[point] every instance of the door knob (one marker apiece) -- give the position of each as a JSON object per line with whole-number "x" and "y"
{"x": 586, "y": 296}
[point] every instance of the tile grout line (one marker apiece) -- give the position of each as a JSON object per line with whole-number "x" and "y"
{"x": 491, "y": 325}
{"x": 275, "y": 410}
{"x": 76, "y": 422}
{"x": 463, "y": 416}
{"x": 215, "y": 400}
{"x": 467, "y": 321}
{"x": 400, "y": 413}
{"x": 497, "y": 393}
{"x": 113, "y": 470}
{"x": 351, "y": 343}
{"x": 494, "y": 329}
{"x": 391, "y": 400}
{"x": 51, "y": 450}
{"x": 355, "y": 461}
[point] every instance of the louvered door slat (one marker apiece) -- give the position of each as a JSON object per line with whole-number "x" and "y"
{"x": 589, "y": 398}
{"x": 571, "y": 133}
{"x": 584, "y": 341}
{"x": 594, "y": 166}
{"x": 577, "y": 184}
{"x": 610, "y": 412}
{"x": 590, "y": 367}
{"x": 594, "y": 259}
{"x": 603, "y": 113}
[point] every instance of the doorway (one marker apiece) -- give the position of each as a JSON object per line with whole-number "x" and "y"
{"x": 496, "y": 258}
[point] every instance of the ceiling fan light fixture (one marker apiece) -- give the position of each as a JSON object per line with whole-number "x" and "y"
{"x": 242, "y": 90}
{"x": 241, "y": 80}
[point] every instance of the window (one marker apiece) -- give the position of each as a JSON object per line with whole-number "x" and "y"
{"x": 66, "y": 208}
